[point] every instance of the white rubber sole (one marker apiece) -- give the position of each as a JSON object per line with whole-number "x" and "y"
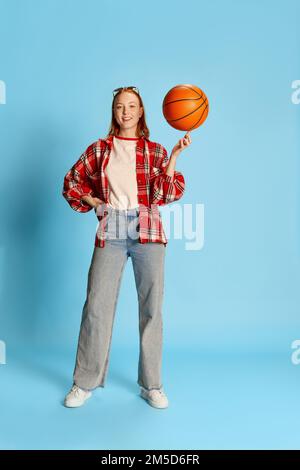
{"x": 152, "y": 403}
{"x": 70, "y": 405}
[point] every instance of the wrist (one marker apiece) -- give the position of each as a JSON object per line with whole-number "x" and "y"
{"x": 174, "y": 155}
{"x": 87, "y": 198}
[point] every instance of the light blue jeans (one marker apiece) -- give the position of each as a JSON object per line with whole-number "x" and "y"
{"x": 104, "y": 280}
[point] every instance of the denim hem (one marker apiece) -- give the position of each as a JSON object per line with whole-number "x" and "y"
{"x": 88, "y": 389}
{"x": 147, "y": 388}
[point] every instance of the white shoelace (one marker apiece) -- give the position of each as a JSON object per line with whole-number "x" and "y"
{"x": 76, "y": 390}
{"x": 155, "y": 391}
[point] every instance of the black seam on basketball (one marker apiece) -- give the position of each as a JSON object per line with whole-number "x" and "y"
{"x": 183, "y": 99}
{"x": 200, "y": 117}
{"x": 189, "y": 88}
{"x": 182, "y": 117}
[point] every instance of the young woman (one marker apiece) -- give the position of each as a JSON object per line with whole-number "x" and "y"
{"x": 124, "y": 177}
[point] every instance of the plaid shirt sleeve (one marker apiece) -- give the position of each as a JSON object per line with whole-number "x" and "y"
{"x": 164, "y": 188}
{"x": 77, "y": 182}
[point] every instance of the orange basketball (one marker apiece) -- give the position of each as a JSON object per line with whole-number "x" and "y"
{"x": 185, "y": 107}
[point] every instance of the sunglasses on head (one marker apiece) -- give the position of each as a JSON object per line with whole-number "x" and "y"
{"x": 117, "y": 90}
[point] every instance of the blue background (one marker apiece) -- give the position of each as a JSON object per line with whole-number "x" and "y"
{"x": 231, "y": 309}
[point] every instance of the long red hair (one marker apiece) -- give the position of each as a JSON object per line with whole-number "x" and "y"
{"x": 142, "y": 128}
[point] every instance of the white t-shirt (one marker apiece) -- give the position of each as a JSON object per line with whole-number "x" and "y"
{"x": 121, "y": 173}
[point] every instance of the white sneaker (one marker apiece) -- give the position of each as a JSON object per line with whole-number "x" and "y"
{"x": 76, "y": 397}
{"x": 155, "y": 397}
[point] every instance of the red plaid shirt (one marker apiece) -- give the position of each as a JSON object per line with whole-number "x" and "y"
{"x": 155, "y": 188}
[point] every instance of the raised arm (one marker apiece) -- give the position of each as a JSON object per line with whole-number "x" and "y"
{"x": 165, "y": 188}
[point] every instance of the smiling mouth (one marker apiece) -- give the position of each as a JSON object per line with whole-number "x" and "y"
{"x": 126, "y": 119}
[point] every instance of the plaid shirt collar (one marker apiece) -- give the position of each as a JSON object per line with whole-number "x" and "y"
{"x": 140, "y": 142}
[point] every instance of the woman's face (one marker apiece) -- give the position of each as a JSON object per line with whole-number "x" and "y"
{"x": 127, "y": 110}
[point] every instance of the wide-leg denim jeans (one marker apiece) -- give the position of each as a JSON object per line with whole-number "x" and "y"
{"x": 104, "y": 280}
